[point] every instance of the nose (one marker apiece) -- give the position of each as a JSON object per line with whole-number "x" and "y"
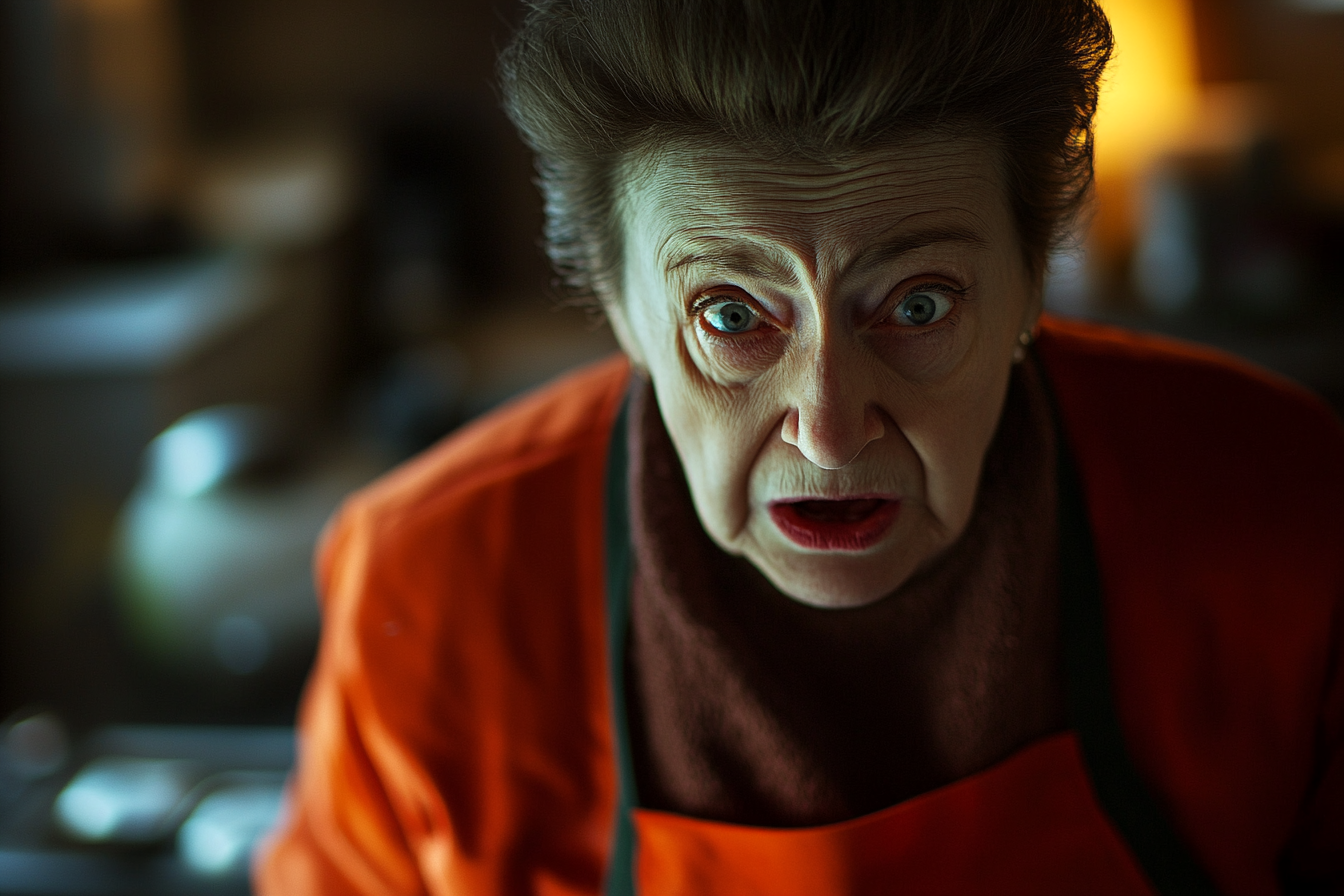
{"x": 834, "y": 414}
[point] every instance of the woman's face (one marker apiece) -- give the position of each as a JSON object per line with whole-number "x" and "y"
{"x": 830, "y": 346}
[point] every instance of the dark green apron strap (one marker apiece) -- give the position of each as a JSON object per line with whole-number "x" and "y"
{"x": 621, "y": 868}
{"x": 1164, "y": 857}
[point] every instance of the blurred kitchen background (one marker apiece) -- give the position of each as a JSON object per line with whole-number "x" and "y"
{"x": 254, "y": 252}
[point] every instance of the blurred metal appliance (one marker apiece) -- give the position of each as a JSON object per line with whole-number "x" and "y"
{"x": 213, "y": 552}
{"x": 147, "y": 811}
{"x": 92, "y": 367}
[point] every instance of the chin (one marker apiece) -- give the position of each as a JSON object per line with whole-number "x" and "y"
{"x": 833, "y": 582}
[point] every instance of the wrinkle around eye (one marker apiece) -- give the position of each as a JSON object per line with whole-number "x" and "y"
{"x": 733, "y": 358}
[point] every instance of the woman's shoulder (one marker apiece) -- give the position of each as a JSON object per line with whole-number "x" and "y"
{"x": 461, "y": 515}
{"x": 565, "y": 418}
{"x": 1183, "y": 398}
{"x": 1197, "y": 450}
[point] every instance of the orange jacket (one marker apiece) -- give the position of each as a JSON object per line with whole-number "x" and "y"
{"x": 456, "y": 735}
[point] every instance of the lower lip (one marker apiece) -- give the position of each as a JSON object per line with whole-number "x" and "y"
{"x": 855, "y": 527}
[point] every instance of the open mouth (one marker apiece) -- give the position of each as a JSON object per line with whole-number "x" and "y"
{"x": 853, "y": 524}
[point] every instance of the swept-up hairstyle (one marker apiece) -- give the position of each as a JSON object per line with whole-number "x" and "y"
{"x": 589, "y": 82}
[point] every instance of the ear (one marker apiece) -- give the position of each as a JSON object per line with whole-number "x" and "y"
{"x": 1031, "y": 321}
{"x": 620, "y": 327}
{"x": 1035, "y": 305}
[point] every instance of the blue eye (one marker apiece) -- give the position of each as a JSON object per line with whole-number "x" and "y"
{"x": 921, "y": 308}
{"x": 731, "y": 317}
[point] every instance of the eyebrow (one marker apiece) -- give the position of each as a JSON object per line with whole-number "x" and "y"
{"x": 908, "y": 242}
{"x": 755, "y": 260}
{"x": 746, "y": 259}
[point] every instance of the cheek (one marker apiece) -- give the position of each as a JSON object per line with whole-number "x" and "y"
{"x": 718, "y": 434}
{"x": 952, "y": 436}
{"x": 921, "y": 359}
{"x": 734, "y": 360}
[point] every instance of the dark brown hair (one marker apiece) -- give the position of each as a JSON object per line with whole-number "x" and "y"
{"x": 589, "y": 82}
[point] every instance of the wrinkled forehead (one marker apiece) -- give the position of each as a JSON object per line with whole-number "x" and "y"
{"x": 685, "y": 202}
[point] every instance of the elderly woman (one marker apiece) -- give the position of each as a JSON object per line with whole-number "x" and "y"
{"x": 853, "y": 575}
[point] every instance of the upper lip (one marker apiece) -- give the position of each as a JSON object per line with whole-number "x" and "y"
{"x": 857, "y": 496}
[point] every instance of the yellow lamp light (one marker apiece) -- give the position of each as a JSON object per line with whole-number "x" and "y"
{"x": 1150, "y": 93}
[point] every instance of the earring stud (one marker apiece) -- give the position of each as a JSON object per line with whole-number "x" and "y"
{"x": 1024, "y": 340}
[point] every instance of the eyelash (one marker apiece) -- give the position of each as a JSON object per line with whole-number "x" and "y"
{"x": 933, "y": 286}
{"x": 719, "y": 296}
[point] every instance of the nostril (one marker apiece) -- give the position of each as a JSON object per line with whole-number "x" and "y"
{"x": 829, "y": 441}
{"x": 789, "y": 430}
{"x": 874, "y": 428}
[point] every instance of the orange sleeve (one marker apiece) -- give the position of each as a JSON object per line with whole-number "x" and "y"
{"x": 341, "y": 833}
{"x": 1314, "y": 860}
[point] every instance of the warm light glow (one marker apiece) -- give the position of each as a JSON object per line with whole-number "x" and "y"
{"x": 1150, "y": 93}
